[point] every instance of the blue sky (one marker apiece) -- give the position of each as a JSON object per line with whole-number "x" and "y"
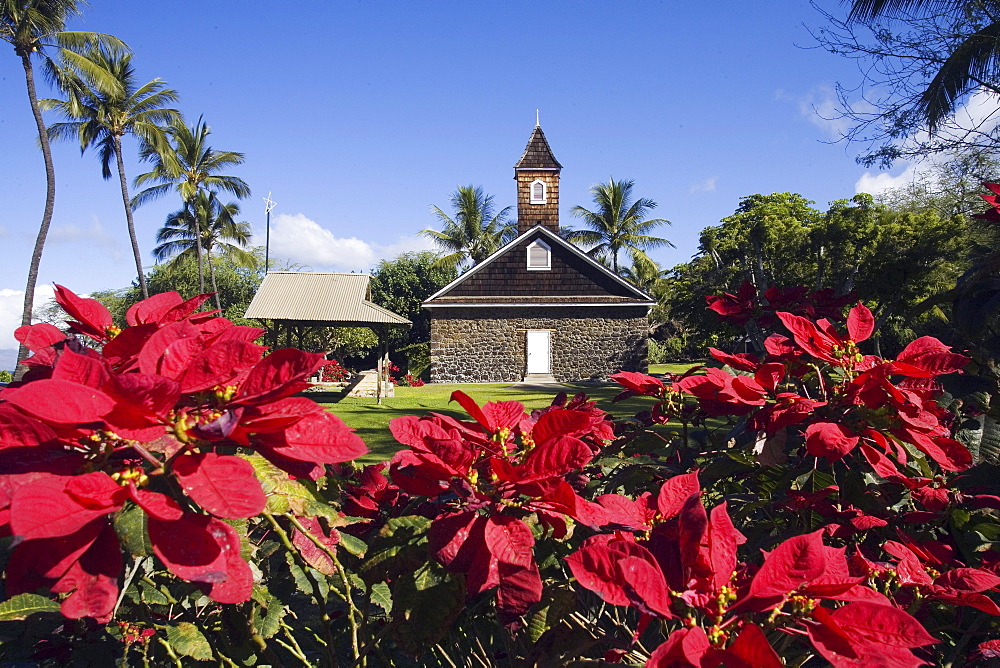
{"x": 358, "y": 116}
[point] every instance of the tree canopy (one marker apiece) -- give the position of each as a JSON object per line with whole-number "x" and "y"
{"x": 31, "y": 27}
{"x": 403, "y": 283}
{"x": 100, "y": 118}
{"x": 618, "y": 223}
{"x": 476, "y": 231}
{"x": 892, "y": 260}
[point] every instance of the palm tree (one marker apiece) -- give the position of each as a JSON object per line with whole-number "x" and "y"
{"x": 645, "y": 274}
{"x": 475, "y": 232}
{"x": 30, "y": 26}
{"x": 207, "y": 218}
{"x": 188, "y": 165}
{"x": 972, "y": 63}
{"x": 101, "y": 119}
{"x": 618, "y": 223}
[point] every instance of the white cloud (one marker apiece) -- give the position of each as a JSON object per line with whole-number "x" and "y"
{"x": 302, "y": 241}
{"x": 93, "y": 236}
{"x": 875, "y": 182}
{"x": 706, "y": 186}
{"x": 980, "y": 113}
{"x": 820, "y": 107}
{"x": 11, "y": 305}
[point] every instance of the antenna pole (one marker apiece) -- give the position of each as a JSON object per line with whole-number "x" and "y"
{"x": 268, "y": 205}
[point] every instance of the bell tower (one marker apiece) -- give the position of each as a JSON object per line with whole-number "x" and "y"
{"x": 537, "y": 176}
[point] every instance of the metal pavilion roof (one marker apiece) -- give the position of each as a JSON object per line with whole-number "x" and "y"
{"x": 320, "y": 297}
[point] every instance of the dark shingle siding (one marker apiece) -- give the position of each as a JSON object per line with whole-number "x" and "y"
{"x": 571, "y": 278}
{"x": 538, "y": 154}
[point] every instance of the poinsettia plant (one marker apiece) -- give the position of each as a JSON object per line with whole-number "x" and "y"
{"x": 165, "y": 486}
{"x": 157, "y": 422}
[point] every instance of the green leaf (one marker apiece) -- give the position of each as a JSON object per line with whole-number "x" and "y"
{"x": 989, "y": 444}
{"x": 152, "y": 595}
{"x": 555, "y": 605}
{"x": 23, "y": 605}
{"x": 426, "y": 603}
{"x": 130, "y": 525}
{"x": 268, "y": 613}
{"x": 382, "y": 596}
{"x": 188, "y": 640}
{"x": 400, "y": 547}
{"x": 302, "y": 580}
{"x": 284, "y": 495}
{"x": 353, "y": 544}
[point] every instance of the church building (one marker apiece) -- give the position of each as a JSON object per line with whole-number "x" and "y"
{"x": 539, "y": 309}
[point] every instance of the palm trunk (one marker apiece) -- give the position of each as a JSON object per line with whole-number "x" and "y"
{"x": 197, "y": 249}
{"x": 128, "y": 218}
{"x": 50, "y": 201}
{"x": 211, "y": 272}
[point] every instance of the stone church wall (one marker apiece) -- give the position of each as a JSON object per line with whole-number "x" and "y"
{"x": 488, "y": 345}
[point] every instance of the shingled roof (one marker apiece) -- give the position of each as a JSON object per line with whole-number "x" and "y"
{"x": 537, "y": 154}
{"x": 318, "y": 297}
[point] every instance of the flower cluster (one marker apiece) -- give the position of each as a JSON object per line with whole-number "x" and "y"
{"x": 684, "y": 567}
{"x": 747, "y": 304}
{"x": 865, "y": 422}
{"x": 408, "y": 380}
{"x": 155, "y": 417}
{"x": 853, "y": 400}
{"x": 489, "y": 476}
{"x": 333, "y": 372}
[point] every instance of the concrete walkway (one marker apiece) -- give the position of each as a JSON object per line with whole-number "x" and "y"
{"x": 538, "y": 387}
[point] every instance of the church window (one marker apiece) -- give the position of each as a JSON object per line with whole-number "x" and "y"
{"x": 538, "y": 192}
{"x": 539, "y": 256}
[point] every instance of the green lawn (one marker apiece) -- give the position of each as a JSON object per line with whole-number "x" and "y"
{"x": 371, "y": 421}
{"x": 672, "y": 367}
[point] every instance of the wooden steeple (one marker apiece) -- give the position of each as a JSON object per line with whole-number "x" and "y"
{"x": 537, "y": 176}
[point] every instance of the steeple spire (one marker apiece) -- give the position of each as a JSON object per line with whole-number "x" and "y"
{"x": 537, "y": 176}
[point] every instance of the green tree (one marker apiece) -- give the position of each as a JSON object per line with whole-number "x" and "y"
{"x": 618, "y": 223}
{"x": 215, "y": 224}
{"x": 972, "y": 62}
{"x": 236, "y": 282}
{"x": 761, "y": 241}
{"x": 893, "y": 260}
{"x": 948, "y": 188}
{"x": 187, "y": 165}
{"x": 101, "y": 119}
{"x": 476, "y": 231}
{"x": 644, "y": 273}
{"x": 31, "y": 26}
{"x": 403, "y": 283}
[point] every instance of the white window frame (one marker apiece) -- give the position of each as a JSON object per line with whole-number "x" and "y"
{"x": 531, "y": 192}
{"x": 538, "y": 243}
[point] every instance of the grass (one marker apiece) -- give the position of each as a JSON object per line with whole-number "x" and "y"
{"x": 371, "y": 420}
{"x": 672, "y": 367}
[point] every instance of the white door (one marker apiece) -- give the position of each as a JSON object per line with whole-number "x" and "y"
{"x": 538, "y": 351}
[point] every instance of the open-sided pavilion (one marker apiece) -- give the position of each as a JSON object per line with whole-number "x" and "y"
{"x": 288, "y": 302}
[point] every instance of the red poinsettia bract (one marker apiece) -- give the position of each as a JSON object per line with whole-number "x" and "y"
{"x": 685, "y": 568}
{"x": 160, "y": 406}
{"x": 488, "y": 477}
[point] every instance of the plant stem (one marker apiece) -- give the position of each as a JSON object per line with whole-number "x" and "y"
{"x": 348, "y": 596}
{"x": 328, "y": 643}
